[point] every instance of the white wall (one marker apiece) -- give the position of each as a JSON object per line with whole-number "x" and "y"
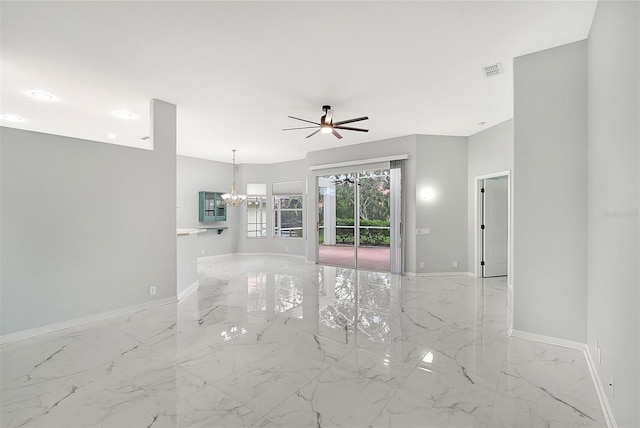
{"x": 490, "y": 151}
{"x": 86, "y": 227}
{"x": 269, "y": 174}
{"x": 441, "y": 165}
{"x": 195, "y": 175}
{"x": 613, "y": 210}
{"x": 550, "y": 192}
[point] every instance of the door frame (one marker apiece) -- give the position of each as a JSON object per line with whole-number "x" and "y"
{"x": 477, "y": 272}
{"x": 483, "y": 219}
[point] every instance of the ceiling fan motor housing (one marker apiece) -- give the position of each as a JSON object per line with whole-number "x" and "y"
{"x": 323, "y": 119}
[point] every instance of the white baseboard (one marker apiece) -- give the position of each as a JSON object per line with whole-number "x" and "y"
{"x": 430, "y": 274}
{"x": 602, "y": 396}
{"x": 12, "y": 337}
{"x": 295, "y": 256}
{"x": 184, "y": 293}
{"x": 229, "y": 255}
{"x": 548, "y": 339}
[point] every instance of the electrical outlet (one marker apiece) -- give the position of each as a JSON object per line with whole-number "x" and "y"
{"x": 421, "y": 264}
{"x": 611, "y": 385}
{"x": 152, "y": 291}
{"x": 454, "y": 263}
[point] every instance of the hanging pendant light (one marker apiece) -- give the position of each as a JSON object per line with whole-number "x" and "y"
{"x": 233, "y": 199}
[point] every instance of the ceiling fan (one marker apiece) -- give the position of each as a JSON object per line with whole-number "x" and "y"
{"x": 327, "y": 125}
{"x": 345, "y": 180}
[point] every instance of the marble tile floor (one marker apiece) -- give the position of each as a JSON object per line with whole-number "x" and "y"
{"x": 272, "y": 341}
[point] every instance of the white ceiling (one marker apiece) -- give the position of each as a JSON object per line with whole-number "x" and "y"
{"x": 236, "y": 70}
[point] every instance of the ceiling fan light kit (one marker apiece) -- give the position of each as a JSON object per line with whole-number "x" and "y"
{"x": 327, "y": 125}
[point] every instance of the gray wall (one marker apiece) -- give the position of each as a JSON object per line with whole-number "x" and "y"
{"x": 490, "y": 151}
{"x": 195, "y": 175}
{"x": 269, "y": 174}
{"x": 86, "y": 227}
{"x": 614, "y": 192}
{"x": 433, "y": 160}
{"x": 550, "y": 192}
{"x": 187, "y": 262}
{"x": 442, "y": 166}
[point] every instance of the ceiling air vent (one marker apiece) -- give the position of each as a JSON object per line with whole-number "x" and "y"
{"x": 492, "y": 70}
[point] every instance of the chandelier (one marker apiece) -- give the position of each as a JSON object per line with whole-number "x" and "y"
{"x": 233, "y": 199}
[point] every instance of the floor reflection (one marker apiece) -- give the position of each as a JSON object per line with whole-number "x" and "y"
{"x": 269, "y": 341}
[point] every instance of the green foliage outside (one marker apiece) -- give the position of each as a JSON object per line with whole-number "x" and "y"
{"x": 363, "y": 222}
{"x": 374, "y": 209}
{"x": 373, "y": 237}
{"x": 374, "y": 199}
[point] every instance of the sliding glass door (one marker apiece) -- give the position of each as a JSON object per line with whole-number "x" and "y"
{"x": 337, "y": 213}
{"x": 373, "y": 250}
{"x": 354, "y": 225}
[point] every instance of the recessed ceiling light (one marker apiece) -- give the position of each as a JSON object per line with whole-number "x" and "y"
{"x": 42, "y": 96}
{"x": 112, "y": 136}
{"x": 122, "y": 114}
{"x": 12, "y": 118}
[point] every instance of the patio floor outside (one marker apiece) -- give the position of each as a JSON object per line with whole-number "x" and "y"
{"x": 370, "y": 258}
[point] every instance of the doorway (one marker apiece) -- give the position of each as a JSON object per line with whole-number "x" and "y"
{"x": 354, "y": 220}
{"x": 495, "y": 215}
{"x": 493, "y": 225}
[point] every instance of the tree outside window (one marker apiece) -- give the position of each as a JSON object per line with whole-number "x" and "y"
{"x": 288, "y": 216}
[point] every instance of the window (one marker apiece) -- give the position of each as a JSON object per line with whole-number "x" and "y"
{"x": 256, "y": 216}
{"x": 287, "y": 215}
{"x": 256, "y": 210}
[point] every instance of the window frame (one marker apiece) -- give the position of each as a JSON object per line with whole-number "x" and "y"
{"x": 262, "y": 201}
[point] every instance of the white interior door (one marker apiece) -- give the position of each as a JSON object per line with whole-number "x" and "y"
{"x": 495, "y": 229}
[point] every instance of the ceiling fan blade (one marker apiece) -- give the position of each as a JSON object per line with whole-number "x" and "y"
{"x": 358, "y": 119}
{"x": 312, "y": 134}
{"x": 304, "y": 127}
{"x": 348, "y": 128}
{"x": 334, "y": 132}
{"x": 328, "y": 116}
{"x": 304, "y": 120}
